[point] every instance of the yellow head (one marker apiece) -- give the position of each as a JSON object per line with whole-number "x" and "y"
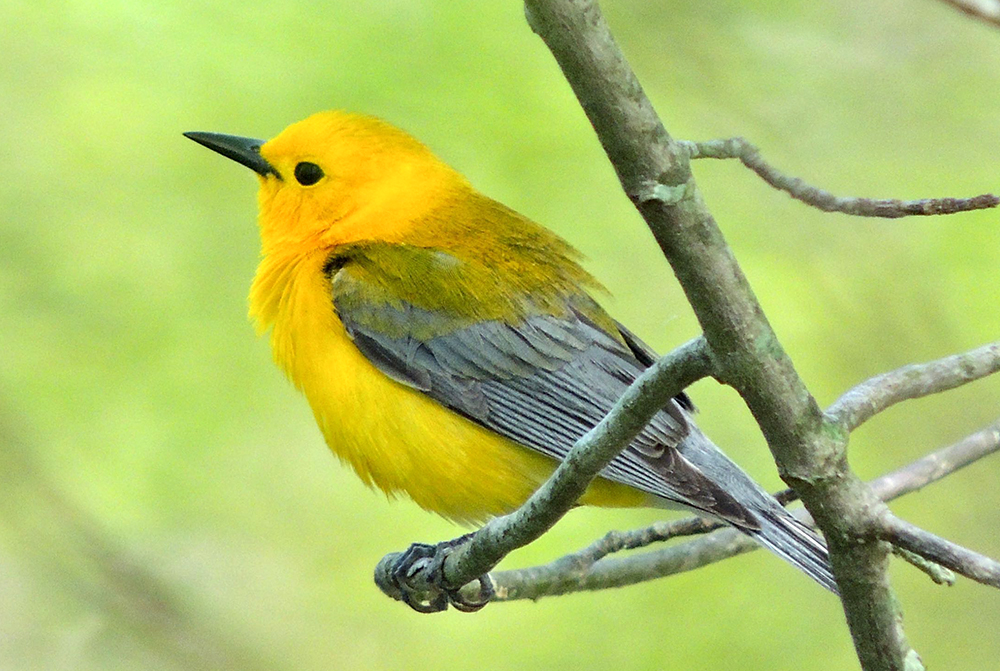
{"x": 336, "y": 177}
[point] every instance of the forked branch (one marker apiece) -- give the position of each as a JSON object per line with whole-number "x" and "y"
{"x": 590, "y": 569}
{"x": 808, "y": 445}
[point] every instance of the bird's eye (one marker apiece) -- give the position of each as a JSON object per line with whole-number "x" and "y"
{"x": 307, "y": 173}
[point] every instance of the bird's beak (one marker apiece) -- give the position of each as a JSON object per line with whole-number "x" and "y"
{"x": 244, "y": 150}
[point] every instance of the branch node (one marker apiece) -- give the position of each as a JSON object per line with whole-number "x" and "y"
{"x": 665, "y": 194}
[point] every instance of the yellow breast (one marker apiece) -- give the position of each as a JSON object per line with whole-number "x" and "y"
{"x": 395, "y": 437}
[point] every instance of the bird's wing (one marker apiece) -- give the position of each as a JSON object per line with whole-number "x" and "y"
{"x": 645, "y": 355}
{"x": 542, "y": 382}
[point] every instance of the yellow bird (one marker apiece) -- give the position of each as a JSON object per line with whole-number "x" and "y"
{"x": 448, "y": 345}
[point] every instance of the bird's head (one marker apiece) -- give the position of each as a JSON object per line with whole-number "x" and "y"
{"x": 336, "y": 177}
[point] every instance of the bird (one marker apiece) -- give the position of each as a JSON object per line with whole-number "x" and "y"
{"x": 451, "y": 348}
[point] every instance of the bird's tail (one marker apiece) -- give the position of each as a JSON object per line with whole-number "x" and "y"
{"x": 770, "y": 525}
{"x": 793, "y": 541}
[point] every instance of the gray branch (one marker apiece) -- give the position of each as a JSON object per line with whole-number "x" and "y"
{"x": 739, "y": 346}
{"x": 589, "y": 569}
{"x": 809, "y": 450}
{"x": 576, "y": 573}
{"x": 925, "y": 544}
{"x": 873, "y": 396}
{"x": 749, "y": 155}
{"x": 938, "y": 464}
{"x": 641, "y": 401}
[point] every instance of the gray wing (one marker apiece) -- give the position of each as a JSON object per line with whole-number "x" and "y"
{"x": 645, "y": 355}
{"x": 542, "y": 383}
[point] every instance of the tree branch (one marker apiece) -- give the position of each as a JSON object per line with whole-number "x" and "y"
{"x": 749, "y": 155}
{"x": 987, "y": 11}
{"x": 576, "y": 573}
{"x": 810, "y": 451}
{"x": 939, "y": 574}
{"x": 876, "y": 394}
{"x": 463, "y": 563}
{"x": 589, "y": 569}
{"x": 809, "y": 447}
{"x": 925, "y": 544}
{"x": 938, "y": 464}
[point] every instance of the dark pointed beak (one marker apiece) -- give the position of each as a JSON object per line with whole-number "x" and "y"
{"x": 244, "y": 150}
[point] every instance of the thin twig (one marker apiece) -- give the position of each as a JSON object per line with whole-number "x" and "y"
{"x": 590, "y": 569}
{"x": 876, "y": 394}
{"x": 571, "y": 574}
{"x": 939, "y": 574}
{"x": 961, "y": 560}
{"x": 650, "y": 392}
{"x": 749, "y": 155}
{"x": 938, "y": 464}
{"x": 987, "y": 11}
{"x": 616, "y": 541}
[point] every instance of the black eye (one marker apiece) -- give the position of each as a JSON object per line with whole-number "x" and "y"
{"x": 307, "y": 173}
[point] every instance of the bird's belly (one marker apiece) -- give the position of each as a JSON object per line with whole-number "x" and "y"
{"x": 400, "y": 440}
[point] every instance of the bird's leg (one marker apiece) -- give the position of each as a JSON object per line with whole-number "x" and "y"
{"x": 419, "y": 576}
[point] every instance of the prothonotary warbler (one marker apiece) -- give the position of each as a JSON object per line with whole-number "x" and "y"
{"x": 448, "y": 345}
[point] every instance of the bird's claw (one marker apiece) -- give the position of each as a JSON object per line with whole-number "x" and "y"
{"x": 420, "y": 559}
{"x": 419, "y": 576}
{"x": 467, "y": 605}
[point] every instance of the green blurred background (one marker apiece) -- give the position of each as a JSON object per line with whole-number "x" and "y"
{"x": 168, "y": 503}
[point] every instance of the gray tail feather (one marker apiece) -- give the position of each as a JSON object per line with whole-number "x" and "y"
{"x": 796, "y": 543}
{"x": 779, "y": 531}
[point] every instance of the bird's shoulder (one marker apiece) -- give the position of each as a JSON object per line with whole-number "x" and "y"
{"x": 471, "y": 260}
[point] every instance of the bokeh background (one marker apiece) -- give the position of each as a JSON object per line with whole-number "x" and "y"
{"x": 167, "y": 502}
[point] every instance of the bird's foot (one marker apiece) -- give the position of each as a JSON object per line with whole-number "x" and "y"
{"x": 418, "y": 575}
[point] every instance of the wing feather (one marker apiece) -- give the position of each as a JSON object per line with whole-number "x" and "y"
{"x": 543, "y": 382}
